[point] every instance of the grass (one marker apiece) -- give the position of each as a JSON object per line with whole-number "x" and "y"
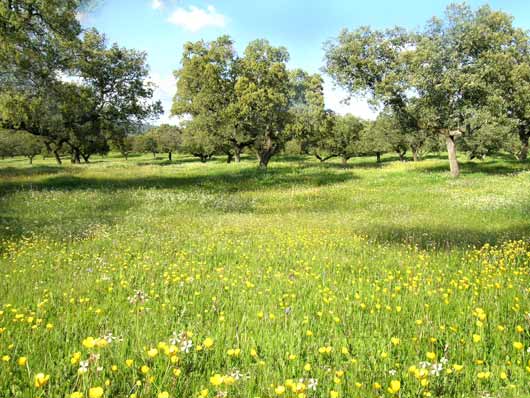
{"x": 357, "y": 277}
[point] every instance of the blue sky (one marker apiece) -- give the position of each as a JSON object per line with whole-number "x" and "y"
{"x": 161, "y": 27}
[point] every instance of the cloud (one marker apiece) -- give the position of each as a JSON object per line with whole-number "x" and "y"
{"x": 334, "y": 97}
{"x": 166, "y": 86}
{"x": 157, "y": 4}
{"x": 194, "y": 19}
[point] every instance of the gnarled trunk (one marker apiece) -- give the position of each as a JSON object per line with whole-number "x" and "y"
{"x": 344, "y": 160}
{"x": 451, "y": 154}
{"x": 237, "y": 155}
{"x": 378, "y": 157}
{"x": 266, "y": 152}
{"x": 57, "y": 157}
{"x": 229, "y": 158}
{"x": 170, "y": 156}
{"x": 415, "y": 155}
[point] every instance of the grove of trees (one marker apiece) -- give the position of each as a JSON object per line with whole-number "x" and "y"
{"x": 460, "y": 82}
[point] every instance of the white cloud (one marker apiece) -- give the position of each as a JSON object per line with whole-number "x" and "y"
{"x": 334, "y": 98}
{"x": 195, "y": 19}
{"x": 166, "y": 86}
{"x": 157, "y": 4}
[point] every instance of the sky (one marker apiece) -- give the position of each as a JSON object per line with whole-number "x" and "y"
{"x": 161, "y": 27}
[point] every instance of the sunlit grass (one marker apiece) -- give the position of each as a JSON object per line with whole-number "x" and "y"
{"x": 307, "y": 280}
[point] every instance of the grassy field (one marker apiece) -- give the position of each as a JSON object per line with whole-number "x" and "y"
{"x": 142, "y": 278}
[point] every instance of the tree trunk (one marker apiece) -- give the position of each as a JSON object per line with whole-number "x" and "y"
{"x": 154, "y": 155}
{"x": 523, "y": 155}
{"x": 344, "y": 160}
{"x": 170, "y": 156}
{"x": 266, "y": 153}
{"x": 57, "y": 157}
{"x": 229, "y": 158}
{"x": 237, "y": 155}
{"x": 401, "y": 155}
{"x": 75, "y": 157}
{"x": 415, "y": 156}
{"x": 30, "y": 159}
{"x": 85, "y": 158}
{"x": 378, "y": 157}
{"x": 451, "y": 153}
{"x": 126, "y": 155}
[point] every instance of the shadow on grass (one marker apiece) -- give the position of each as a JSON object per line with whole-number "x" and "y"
{"x": 446, "y": 237}
{"x": 220, "y": 182}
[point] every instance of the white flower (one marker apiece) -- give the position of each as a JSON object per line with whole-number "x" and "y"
{"x": 185, "y": 346}
{"x": 392, "y": 372}
{"x": 312, "y": 384}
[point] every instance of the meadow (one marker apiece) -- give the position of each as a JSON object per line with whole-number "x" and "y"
{"x": 145, "y": 278}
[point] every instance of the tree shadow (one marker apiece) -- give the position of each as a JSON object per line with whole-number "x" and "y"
{"x": 30, "y": 171}
{"x": 489, "y": 167}
{"x": 444, "y": 237}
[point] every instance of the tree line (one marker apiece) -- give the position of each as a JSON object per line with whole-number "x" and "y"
{"x": 462, "y": 81}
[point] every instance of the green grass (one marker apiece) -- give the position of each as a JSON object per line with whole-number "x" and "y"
{"x": 254, "y": 260}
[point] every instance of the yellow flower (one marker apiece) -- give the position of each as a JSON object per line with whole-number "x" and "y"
{"x": 431, "y": 356}
{"x": 76, "y": 357}
{"x": 177, "y": 372}
{"x": 6, "y": 358}
{"x": 458, "y": 368}
{"x": 22, "y": 361}
{"x": 307, "y": 367}
{"x": 89, "y": 342}
{"x": 208, "y": 342}
{"x": 279, "y": 390}
{"x": 40, "y": 380}
{"x": 203, "y": 393}
{"x": 129, "y": 362}
{"x": 76, "y": 394}
{"x": 163, "y": 394}
{"x": 503, "y": 376}
{"x": 518, "y": 345}
{"x": 153, "y": 352}
{"x": 95, "y": 392}
{"x": 144, "y": 369}
{"x": 333, "y": 394}
{"x": 229, "y": 380}
{"x": 477, "y": 338}
{"x": 483, "y": 375}
{"x": 216, "y": 379}
{"x": 395, "y": 341}
{"x": 395, "y": 386}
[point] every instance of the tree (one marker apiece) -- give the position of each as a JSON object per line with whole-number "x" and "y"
{"x": 311, "y": 123}
{"x": 262, "y": 98}
{"x": 197, "y": 140}
{"x": 346, "y": 135}
{"x": 432, "y": 80}
{"x": 206, "y": 89}
{"x": 169, "y": 139}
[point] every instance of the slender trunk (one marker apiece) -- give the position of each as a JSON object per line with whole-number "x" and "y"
{"x": 57, "y": 157}
{"x": 154, "y": 155}
{"x": 523, "y": 155}
{"x": 170, "y": 156}
{"x": 126, "y": 155}
{"x": 237, "y": 155}
{"x": 85, "y": 158}
{"x": 415, "y": 156}
{"x": 30, "y": 159}
{"x": 401, "y": 156}
{"x": 344, "y": 160}
{"x": 451, "y": 153}
{"x": 378, "y": 157}
{"x": 229, "y": 158}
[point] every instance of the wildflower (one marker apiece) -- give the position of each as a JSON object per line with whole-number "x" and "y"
{"x": 518, "y": 345}
{"x": 76, "y": 394}
{"x": 163, "y": 394}
{"x": 89, "y": 342}
{"x": 395, "y": 386}
{"x": 22, "y": 361}
{"x": 208, "y": 342}
{"x": 40, "y": 380}
{"x": 279, "y": 390}
{"x": 95, "y": 392}
{"x": 395, "y": 341}
{"x": 216, "y": 379}
{"x": 153, "y": 352}
{"x": 333, "y": 394}
{"x": 476, "y": 338}
{"x": 129, "y": 363}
